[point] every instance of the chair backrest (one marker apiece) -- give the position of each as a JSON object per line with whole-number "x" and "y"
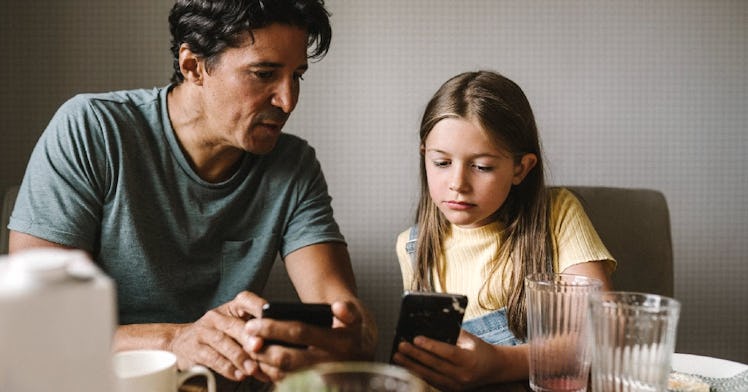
{"x": 634, "y": 224}
{"x": 9, "y": 200}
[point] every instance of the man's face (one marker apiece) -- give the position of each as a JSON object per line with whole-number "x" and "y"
{"x": 251, "y": 90}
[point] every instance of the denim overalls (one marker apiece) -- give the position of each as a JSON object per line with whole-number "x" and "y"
{"x": 492, "y": 327}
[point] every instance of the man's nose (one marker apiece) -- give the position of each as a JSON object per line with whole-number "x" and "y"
{"x": 286, "y": 95}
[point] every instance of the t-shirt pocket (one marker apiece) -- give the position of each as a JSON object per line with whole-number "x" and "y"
{"x": 245, "y": 265}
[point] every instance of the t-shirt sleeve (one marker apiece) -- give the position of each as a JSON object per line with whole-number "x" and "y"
{"x": 575, "y": 240}
{"x": 311, "y": 220}
{"x": 60, "y": 198}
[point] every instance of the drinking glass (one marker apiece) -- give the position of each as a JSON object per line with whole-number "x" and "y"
{"x": 558, "y": 331}
{"x": 634, "y": 339}
{"x": 352, "y": 377}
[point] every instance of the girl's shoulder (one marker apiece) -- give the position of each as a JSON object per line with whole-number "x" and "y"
{"x": 408, "y": 233}
{"x": 564, "y": 205}
{"x": 563, "y": 198}
{"x": 405, "y": 237}
{"x": 558, "y": 193}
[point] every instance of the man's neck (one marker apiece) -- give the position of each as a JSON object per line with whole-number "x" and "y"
{"x": 212, "y": 162}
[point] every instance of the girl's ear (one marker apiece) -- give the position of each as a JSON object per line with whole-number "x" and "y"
{"x": 526, "y": 163}
{"x": 190, "y": 65}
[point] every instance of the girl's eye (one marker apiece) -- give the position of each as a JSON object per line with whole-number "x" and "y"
{"x": 441, "y": 163}
{"x": 483, "y": 168}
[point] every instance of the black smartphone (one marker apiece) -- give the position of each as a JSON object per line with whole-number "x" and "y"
{"x": 318, "y": 314}
{"x": 434, "y": 315}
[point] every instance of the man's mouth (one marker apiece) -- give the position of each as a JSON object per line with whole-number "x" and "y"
{"x": 270, "y": 127}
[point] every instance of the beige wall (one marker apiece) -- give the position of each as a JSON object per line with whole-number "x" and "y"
{"x": 633, "y": 94}
{"x": 54, "y": 49}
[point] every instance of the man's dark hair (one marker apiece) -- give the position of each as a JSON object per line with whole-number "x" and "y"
{"x": 210, "y": 26}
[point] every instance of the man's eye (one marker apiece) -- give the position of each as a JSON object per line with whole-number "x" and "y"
{"x": 264, "y": 74}
{"x": 298, "y": 76}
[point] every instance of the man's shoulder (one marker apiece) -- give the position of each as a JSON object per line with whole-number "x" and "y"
{"x": 90, "y": 101}
{"x": 288, "y": 140}
{"x": 96, "y": 113}
{"x": 293, "y": 145}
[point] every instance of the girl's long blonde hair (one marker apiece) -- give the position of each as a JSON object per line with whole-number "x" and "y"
{"x": 503, "y": 111}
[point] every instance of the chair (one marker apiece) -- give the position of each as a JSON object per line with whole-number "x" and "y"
{"x": 634, "y": 224}
{"x": 9, "y": 200}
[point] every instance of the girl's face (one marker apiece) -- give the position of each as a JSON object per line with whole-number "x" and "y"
{"x": 469, "y": 178}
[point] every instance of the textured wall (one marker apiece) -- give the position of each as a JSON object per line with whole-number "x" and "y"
{"x": 54, "y": 49}
{"x": 632, "y": 94}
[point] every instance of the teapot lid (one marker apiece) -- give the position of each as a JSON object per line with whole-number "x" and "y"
{"x": 42, "y": 266}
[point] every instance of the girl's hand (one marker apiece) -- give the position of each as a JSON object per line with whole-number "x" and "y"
{"x": 468, "y": 364}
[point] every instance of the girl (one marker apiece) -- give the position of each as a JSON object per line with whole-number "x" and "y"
{"x": 485, "y": 220}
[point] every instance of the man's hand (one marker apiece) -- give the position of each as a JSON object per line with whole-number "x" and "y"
{"x": 212, "y": 341}
{"x": 351, "y": 338}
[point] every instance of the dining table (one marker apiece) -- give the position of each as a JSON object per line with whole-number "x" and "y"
{"x": 222, "y": 385}
{"x": 722, "y": 375}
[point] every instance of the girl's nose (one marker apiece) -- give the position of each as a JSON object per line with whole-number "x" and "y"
{"x": 457, "y": 182}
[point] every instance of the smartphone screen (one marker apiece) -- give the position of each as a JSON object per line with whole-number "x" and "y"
{"x": 434, "y": 315}
{"x": 318, "y": 314}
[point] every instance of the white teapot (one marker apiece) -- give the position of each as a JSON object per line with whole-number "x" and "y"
{"x": 57, "y": 318}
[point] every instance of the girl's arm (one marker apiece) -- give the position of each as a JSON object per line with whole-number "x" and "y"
{"x": 473, "y": 362}
{"x": 592, "y": 269}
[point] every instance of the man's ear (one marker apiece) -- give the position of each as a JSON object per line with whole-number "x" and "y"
{"x": 526, "y": 163}
{"x": 191, "y": 66}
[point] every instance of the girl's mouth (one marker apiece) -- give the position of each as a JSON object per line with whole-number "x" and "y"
{"x": 458, "y": 205}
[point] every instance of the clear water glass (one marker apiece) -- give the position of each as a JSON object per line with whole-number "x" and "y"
{"x": 558, "y": 331}
{"x": 633, "y": 339}
{"x": 352, "y": 377}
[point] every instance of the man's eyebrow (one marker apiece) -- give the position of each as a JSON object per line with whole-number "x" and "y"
{"x": 270, "y": 64}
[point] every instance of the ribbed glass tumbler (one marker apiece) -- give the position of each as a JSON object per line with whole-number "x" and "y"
{"x": 558, "y": 331}
{"x": 634, "y": 339}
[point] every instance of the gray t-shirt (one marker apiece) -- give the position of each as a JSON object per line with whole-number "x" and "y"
{"x": 109, "y": 176}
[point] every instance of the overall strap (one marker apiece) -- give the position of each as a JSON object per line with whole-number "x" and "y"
{"x": 410, "y": 248}
{"x": 410, "y": 245}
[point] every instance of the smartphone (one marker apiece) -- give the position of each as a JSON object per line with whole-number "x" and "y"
{"x": 434, "y": 315}
{"x": 318, "y": 314}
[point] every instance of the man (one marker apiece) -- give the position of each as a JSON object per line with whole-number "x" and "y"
{"x": 184, "y": 195}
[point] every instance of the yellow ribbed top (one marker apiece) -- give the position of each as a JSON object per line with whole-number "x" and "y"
{"x": 468, "y": 254}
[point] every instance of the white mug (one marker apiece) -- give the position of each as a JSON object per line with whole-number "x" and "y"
{"x": 154, "y": 371}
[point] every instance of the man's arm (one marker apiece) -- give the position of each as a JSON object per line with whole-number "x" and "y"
{"x": 323, "y": 273}
{"x": 212, "y": 340}
{"x": 320, "y": 273}
{"x": 18, "y": 241}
